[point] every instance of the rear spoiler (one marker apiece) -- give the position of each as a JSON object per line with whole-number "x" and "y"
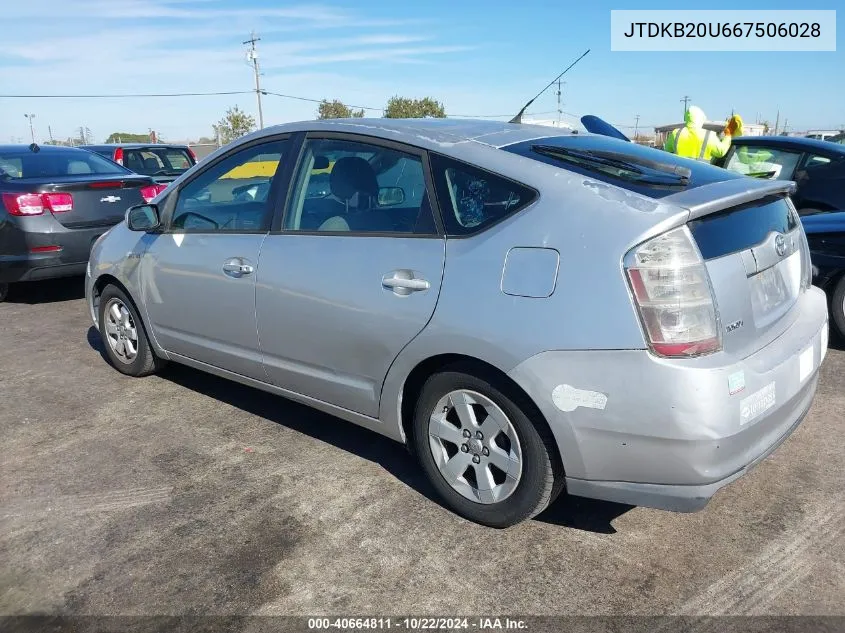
{"x": 725, "y": 194}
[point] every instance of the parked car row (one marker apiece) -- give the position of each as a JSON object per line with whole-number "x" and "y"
{"x": 530, "y": 311}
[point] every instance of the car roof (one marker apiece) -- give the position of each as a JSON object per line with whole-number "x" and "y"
{"x": 430, "y": 133}
{"x": 134, "y": 145}
{"x": 792, "y": 142}
{"x": 41, "y": 148}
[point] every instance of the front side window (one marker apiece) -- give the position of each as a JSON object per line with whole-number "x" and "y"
{"x": 471, "y": 198}
{"x": 232, "y": 195}
{"x": 763, "y": 162}
{"x": 350, "y": 186}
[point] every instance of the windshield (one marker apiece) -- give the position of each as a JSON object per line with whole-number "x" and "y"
{"x": 52, "y": 163}
{"x": 157, "y": 161}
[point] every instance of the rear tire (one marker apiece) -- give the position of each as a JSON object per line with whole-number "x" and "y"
{"x": 480, "y": 450}
{"x": 123, "y": 334}
{"x": 837, "y": 307}
{"x": 4, "y": 291}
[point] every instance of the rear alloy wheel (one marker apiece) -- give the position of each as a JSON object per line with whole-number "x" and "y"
{"x": 4, "y": 291}
{"x": 125, "y": 340}
{"x": 837, "y": 307}
{"x": 482, "y": 453}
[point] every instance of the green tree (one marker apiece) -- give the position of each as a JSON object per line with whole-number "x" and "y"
{"x": 235, "y": 124}
{"x": 334, "y": 109}
{"x": 404, "y": 108}
{"x": 127, "y": 137}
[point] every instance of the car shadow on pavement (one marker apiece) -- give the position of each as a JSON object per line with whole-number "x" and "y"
{"x": 47, "y": 291}
{"x": 572, "y": 512}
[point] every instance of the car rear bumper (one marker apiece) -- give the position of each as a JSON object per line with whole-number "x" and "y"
{"x": 638, "y": 429}
{"x": 25, "y": 265}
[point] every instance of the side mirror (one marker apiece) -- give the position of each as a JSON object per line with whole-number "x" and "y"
{"x": 142, "y": 217}
{"x": 390, "y": 196}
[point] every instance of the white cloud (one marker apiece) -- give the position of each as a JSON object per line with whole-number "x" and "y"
{"x": 168, "y": 46}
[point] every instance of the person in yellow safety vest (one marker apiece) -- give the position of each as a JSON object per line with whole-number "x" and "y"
{"x": 693, "y": 141}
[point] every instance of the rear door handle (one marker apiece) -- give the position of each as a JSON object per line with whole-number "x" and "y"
{"x": 403, "y": 282}
{"x": 237, "y": 267}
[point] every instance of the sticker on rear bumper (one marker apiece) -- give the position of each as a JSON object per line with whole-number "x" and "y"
{"x": 756, "y": 404}
{"x": 568, "y": 398}
{"x": 736, "y": 382}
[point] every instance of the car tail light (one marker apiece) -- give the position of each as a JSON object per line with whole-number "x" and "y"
{"x": 36, "y": 203}
{"x": 106, "y": 184}
{"x": 23, "y": 203}
{"x": 45, "y": 249}
{"x": 191, "y": 152}
{"x": 58, "y": 202}
{"x": 118, "y": 156}
{"x": 671, "y": 288}
{"x": 151, "y": 191}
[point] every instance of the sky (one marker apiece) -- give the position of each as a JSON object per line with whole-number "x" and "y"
{"x": 477, "y": 58}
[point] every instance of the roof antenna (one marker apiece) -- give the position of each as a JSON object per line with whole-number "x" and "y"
{"x": 518, "y": 117}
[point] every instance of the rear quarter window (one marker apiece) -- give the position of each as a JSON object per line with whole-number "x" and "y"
{"x": 472, "y": 199}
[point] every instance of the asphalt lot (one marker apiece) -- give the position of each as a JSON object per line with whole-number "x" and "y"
{"x": 186, "y": 494}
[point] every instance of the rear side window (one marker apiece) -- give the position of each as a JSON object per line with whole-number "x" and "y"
{"x": 471, "y": 199}
{"x": 55, "y": 163}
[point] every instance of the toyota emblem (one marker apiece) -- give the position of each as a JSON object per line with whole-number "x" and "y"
{"x": 780, "y": 245}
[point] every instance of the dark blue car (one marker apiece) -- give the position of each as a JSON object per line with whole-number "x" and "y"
{"x": 826, "y": 236}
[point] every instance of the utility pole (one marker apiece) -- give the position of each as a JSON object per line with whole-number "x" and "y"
{"x": 686, "y": 100}
{"x": 777, "y": 122}
{"x": 252, "y": 56}
{"x": 785, "y": 125}
{"x": 31, "y": 129}
{"x": 50, "y": 133}
{"x": 636, "y": 127}
{"x": 559, "y": 111}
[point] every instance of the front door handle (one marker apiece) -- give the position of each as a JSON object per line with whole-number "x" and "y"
{"x": 237, "y": 267}
{"x": 403, "y": 282}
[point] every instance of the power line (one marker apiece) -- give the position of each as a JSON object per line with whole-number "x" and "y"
{"x": 124, "y": 96}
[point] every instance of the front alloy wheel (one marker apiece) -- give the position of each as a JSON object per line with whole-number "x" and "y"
{"x": 121, "y": 331}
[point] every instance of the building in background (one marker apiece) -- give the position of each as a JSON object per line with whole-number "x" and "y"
{"x": 748, "y": 129}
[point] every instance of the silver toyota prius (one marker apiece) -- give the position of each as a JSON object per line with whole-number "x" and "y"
{"x": 529, "y": 310}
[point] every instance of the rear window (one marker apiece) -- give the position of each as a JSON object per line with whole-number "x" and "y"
{"x": 701, "y": 173}
{"x": 54, "y": 163}
{"x": 157, "y": 161}
{"x": 763, "y": 162}
{"x": 742, "y": 227}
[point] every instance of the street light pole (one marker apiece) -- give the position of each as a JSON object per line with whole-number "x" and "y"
{"x": 31, "y": 130}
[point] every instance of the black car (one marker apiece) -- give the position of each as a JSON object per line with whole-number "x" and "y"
{"x": 165, "y": 163}
{"x": 817, "y": 167}
{"x": 54, "y": 203}
{"x": 826, "y": 237}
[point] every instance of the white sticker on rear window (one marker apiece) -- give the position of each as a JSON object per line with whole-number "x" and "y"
{"x": 805, "y": 364}
{"x": 756, "y": 404}
{"x": 568, "y": 398}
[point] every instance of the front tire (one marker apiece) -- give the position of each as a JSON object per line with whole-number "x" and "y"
{"x": 482, "y": 453}
{"x": 123, "y": 334}
{"x": 837, "y": 307}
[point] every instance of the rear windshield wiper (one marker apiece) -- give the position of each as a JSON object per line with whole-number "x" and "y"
{"x": 621, "y": 165}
